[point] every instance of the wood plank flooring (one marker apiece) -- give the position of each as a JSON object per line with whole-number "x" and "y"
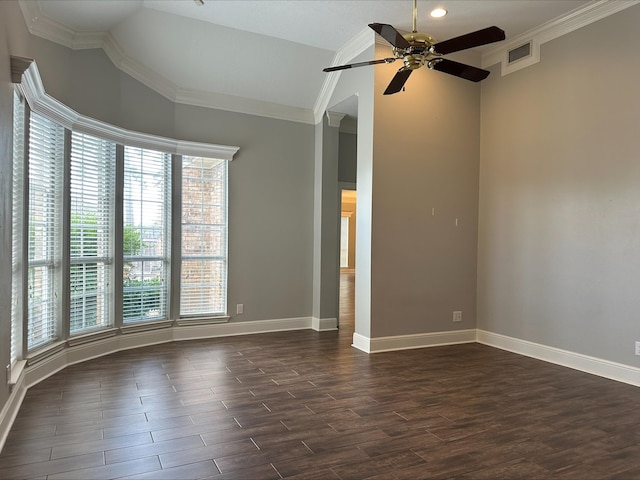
{"x": 306, "y": 405}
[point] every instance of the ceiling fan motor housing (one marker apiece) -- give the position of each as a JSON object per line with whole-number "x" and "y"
{"x": 418, "y": 53}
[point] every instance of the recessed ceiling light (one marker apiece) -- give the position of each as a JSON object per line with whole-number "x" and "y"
{"x": 438, "y": 12}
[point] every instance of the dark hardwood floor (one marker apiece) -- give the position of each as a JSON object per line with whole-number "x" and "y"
{"x": 306, "y": 405}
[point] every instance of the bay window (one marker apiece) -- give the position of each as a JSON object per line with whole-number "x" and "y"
{"x": 92, "y": 225}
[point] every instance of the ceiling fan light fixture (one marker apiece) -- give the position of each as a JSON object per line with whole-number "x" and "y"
{"x": 438, "y": 12}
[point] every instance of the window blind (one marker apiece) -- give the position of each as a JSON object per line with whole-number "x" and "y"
{"x": 146, "y": 220}
{"x": 204, "y": 237}
{"x": 17, "y": 230}
{"x": 92, "y": 183}
{"x": 45, "y": 161}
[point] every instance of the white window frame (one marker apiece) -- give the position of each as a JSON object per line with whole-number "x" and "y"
{"x": 92, "y": 176}
{"x": 203, "y": 217}
{"x": 153, "y": 255}
{"x": 18, "y": 278}
{"x": 43, "y": 222}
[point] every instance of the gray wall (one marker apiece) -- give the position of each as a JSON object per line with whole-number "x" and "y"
{"x": 270, "y": 208}
{"x": 425, "y": 156}
{"x": 559, "y": 236}
{"x": 347, "y": 157}
{"x": 326, "y": 214}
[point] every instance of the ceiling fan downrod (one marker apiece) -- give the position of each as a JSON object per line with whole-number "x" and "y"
{"x": 415, "y": 16}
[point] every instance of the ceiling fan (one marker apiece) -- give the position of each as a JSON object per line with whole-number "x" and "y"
{"x": 418, "y": 49}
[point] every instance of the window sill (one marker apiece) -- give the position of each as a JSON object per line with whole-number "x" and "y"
{"x": 45, "y": 352}
{"x": 15, "y": 372}
{"x": 92, "y": 337}
{"x": 143, "y": 327}
{"x": 185, "y": 322}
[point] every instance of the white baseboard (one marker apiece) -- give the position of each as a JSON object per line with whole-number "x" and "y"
{"x": 419, "y": 340}
{"x": 577, "y": 361}
{"x": 241, "y": 328}
{"x": 324, "y": 324}
{"x": 10, "y": 410}
{"x": 361, "y": 342}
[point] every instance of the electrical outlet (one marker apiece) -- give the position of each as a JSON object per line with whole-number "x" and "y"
{"x": 457, "y": 316}
{"x": 240, "y": 309}
{"x": 638, "y": 348}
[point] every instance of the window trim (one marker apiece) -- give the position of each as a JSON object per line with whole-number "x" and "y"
{"x": 19, "y": 241}
{"x": 32, "y": 89}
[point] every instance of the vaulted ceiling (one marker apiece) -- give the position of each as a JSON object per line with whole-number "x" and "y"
{"x": 261, "y": 56}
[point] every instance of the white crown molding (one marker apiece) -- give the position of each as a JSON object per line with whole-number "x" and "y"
{"x": 40, "y": 102}
{"x": 555, "y": 28}
{"x": 42, "y": 26}
{"x": 145, "y": 75}
{"x": 345, "y": 54}
{"x": 248, "y": 106}
{"x": 334, "y": 118}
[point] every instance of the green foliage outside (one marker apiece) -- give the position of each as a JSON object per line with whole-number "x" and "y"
{"x": 84, "y": 276}
{"x": 132, "y": 242}
{"x": 139, "y": 296}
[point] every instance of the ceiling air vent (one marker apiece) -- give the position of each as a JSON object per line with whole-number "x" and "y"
{"x": 519, "y": 53}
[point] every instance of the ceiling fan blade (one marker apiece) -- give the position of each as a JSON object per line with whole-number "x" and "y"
{"x": 359, "y": 64}
{"x": 390, "y": 34}
{"x": 398, "y": 81}
{"x": 461, "y": 70}
{"x": 470, "y": 40}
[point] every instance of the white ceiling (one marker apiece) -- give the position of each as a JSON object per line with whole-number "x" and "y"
{"x": 260, "y": 53}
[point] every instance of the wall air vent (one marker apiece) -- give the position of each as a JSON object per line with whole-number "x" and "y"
{"x": 519, "y": 53}
{"x": 523, "y": 55}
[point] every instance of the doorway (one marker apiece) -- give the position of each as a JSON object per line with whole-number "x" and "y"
{"x": 346, "y": 296}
